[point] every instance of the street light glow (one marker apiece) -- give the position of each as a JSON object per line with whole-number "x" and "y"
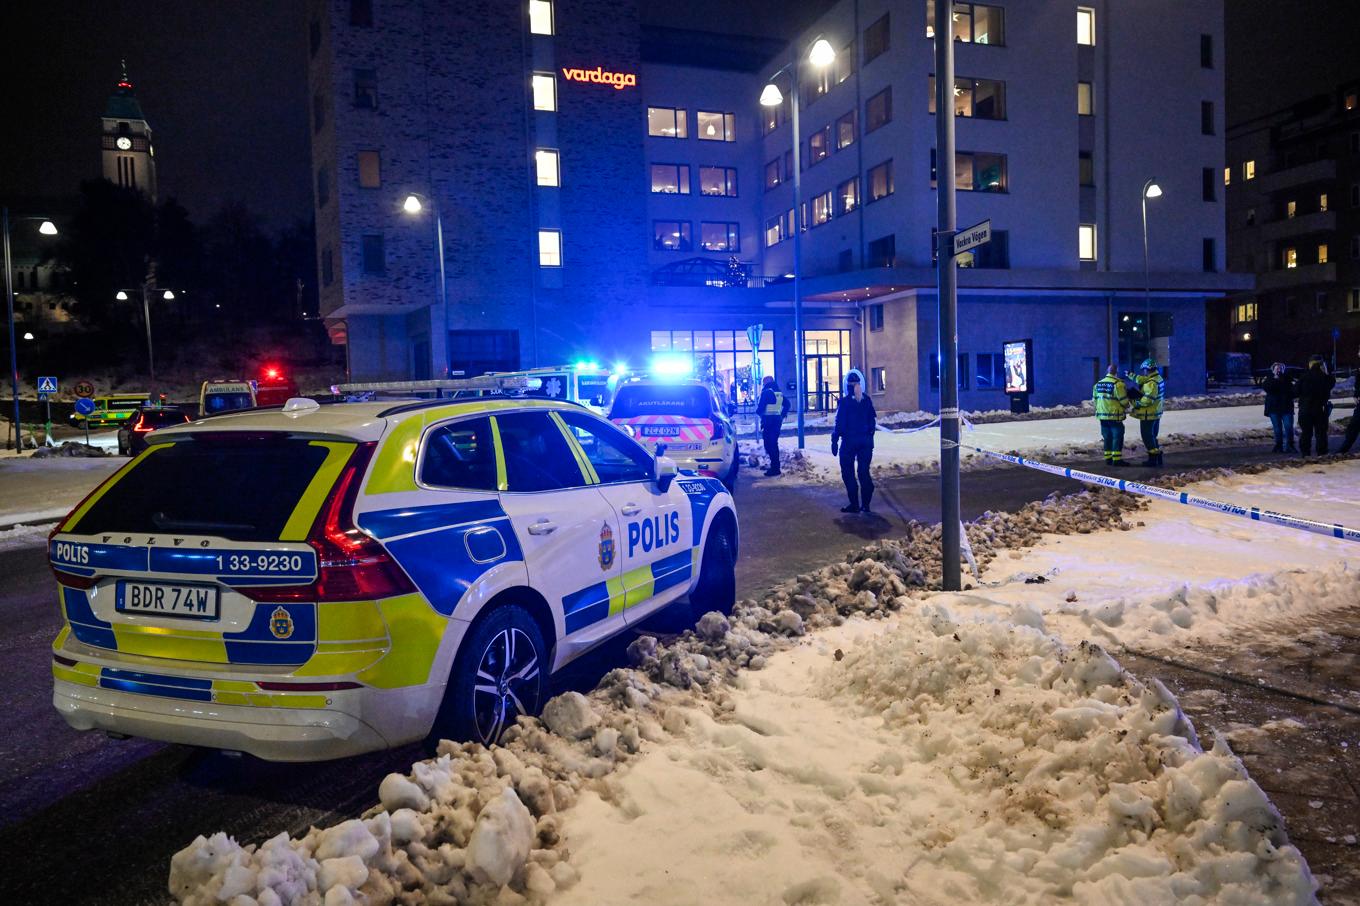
{"x": 121, "y": 297}
{"x": 771, "y": 96}
{"x": 1153, "y": 190}
{"x": 28, "y": 335}
{"x": 167, "y": 295}
{"x": 822, "y": 53}
{"x": 412, "y": 205}
{"x": 48, "y": 228}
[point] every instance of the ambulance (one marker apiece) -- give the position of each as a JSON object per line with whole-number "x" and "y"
{"x": 331, "y": 580}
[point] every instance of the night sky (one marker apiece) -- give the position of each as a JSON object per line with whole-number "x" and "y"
{"x": 223, "y": 84}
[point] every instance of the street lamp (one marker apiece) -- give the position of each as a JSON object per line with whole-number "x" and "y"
{"x": 1150, "y": 190}
{"x": 168, "y": 295}
{"x": 47, "y": 228}
{"x": 413, "y": 205}
{"x": 821, "y": 55}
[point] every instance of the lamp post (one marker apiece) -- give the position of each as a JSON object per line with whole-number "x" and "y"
{"x": 168, "y": 296}
{"x": 820, "y": 56}
{"x": 47, "y": 228}
{"x": 947, "y": 299}
{"x": 1150, "y": 190}
{"x": 413, "y": 205}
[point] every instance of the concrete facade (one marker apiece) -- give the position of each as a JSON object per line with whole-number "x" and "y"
{"x": 444, "y": 95}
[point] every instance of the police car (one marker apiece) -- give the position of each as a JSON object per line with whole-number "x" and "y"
{"x": 682, "y": 419}
{"x": 349, "y": 577}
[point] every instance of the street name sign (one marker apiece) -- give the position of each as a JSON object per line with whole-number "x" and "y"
{"x": 972, "y": 237}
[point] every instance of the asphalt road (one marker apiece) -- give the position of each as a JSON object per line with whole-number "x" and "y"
{"x": 89, "y": 820}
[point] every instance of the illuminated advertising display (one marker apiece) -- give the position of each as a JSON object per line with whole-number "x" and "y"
{"x": 1019, "y": 361}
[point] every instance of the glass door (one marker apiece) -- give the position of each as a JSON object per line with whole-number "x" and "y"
{"x": 826, "y": 359}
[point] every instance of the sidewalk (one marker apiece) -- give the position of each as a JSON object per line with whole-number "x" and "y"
{"x": 36, "y": 491}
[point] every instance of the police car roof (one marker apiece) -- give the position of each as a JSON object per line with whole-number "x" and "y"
{"x": 360, "y": 421}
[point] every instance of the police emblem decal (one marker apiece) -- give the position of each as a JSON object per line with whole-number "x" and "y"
{"x": 281, "y": 623}
{"x": 606, "y": 546}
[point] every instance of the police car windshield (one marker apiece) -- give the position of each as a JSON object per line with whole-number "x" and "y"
{"x": 687, "y": 400}
{"x": 244, "y": 489}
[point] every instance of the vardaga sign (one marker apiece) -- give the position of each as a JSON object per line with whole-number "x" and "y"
{"x": 601, "y": 76}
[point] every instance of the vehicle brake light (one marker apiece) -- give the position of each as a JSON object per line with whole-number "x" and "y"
{"x": 81, "y": 583}
{"x": 352, "y": 566}
{"x": 142, "y": 427}
{"x": 717, "y": 429}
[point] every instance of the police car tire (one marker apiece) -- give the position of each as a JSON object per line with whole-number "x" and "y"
{"x": 457, "y": 716}
{"x": 717, "y": 585}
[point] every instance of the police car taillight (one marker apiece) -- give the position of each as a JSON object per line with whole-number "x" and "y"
{"x": 352, "y": 566}
{"x": 717, "y": 429}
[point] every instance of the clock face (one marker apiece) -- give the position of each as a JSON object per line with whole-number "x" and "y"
{"x": 123, "y": 143}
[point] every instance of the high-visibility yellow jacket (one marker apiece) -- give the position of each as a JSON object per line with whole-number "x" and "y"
{"x": 1152, "y": 399}
{"x": 1111, "y": 401}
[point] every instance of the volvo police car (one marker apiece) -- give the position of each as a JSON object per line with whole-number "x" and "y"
{"x": 681, "y": 419}
{"x": 349, "y": 577}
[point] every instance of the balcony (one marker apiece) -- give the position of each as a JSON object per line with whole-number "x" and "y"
{"x": 1302, "y": 175}
{"x": 1304, "y": 275}
{"x": 1289, "y": 227}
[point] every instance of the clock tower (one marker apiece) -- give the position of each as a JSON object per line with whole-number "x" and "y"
{"x": 129, "y": 158}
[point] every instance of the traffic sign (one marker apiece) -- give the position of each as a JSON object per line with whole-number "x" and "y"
{"x": 47, "y": 385}
{"x": 85, "y": 405}
{"x": 84, "y": 388}
{"x": 972, "y": 237}
{"x": 1336, "y": 333}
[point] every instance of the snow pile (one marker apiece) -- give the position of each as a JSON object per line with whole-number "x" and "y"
{"x": 69, "y": 448}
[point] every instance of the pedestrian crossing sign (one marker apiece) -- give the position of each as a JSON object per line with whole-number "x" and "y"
{"x": 47, "y": 385}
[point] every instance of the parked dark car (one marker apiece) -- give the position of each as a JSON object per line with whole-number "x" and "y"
{"x": 132, "y": 433}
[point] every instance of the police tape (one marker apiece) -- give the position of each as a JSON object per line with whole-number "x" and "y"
{"x": 933, "y": 423}
{"x": 1256, "y": 514}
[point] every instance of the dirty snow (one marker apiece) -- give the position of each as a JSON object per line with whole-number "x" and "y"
{"x": 850, "y": 738}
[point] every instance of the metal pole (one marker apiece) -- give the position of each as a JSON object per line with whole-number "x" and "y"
{"x": 443, "y": 286}
{"x": 950, "y": 526}
{"x": 146, "y": 318}
{"x": 13, "y": 348}
{"x": 1147, "y": 279}
{"x": 800, "y": 365}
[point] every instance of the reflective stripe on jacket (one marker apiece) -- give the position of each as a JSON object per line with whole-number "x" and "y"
{"x": 1152, "y": 401}
{"x": 1111, "y": 402}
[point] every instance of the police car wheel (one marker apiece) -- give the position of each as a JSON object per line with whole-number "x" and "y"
{"x": 499, "y": 675}
{"x": 717, "y": 586}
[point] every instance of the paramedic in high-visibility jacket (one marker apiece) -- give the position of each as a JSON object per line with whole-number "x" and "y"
{"x": 1148, "y": 407}
{"x": 1112, "y": 406}
{"x": 772, "y": 407}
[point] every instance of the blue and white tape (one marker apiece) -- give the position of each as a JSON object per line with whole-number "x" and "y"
{"x": 1256, "y": 514}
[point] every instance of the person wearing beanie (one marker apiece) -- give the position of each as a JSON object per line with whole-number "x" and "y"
{"x": 1314, "y": 393}
{"x": 852, "y": 439}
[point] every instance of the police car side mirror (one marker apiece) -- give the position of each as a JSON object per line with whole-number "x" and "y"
{"x": 664, "y": 471}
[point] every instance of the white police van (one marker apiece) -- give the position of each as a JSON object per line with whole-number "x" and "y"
{"x": 349, "y": 577}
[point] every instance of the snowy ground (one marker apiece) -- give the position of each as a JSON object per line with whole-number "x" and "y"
{"x": 40, "y": 491}
{"x": 853, "y": 738}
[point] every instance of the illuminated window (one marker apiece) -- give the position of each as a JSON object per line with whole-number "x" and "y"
{"x": 718, "y": 181}
{"x": 1086, "y": 105}
{"x": 774, "y": 231}
{"x": 975, "y": 171}
{"x": 1227, "y": 176}
{"x": 1350, "y": 101}
{"x": 670, "y": 179}
{"x": 1291, "y": 258}
{"x": 545, "y": 91}
{"x": 672, "y": 236}
{"x": 772, "y": 174}
{"x": 1086, "y": 26}
{"x": 370, "y": 170}
{"x": 880, "y": 181}
{"x": 819, "y": 145}
{"x": 549, "y": 248}
{"x": 845, "y": 63}
{"x": 1245, "y": 313}
{"x": 845, "y": 131}
{"x": 547, "y": 165}
{"x": 717, "y": 127}
{"x": 821, "y": 209}
{"x": 1290, "y": 209}
{"x": 1322, "y": 203}
{"x": 719, "y": 237}
{"x": 1322, "y": 253}
{"x": 666, "y": 122}
{"x": 1086, "y": 242}
{"x": 876, "y": 39}
{"x": 878, "y": 110}
{"x": 983, "y": 99}
{"x": 973, "y": 23}
{"x": 878, "y": 380}
{"x": 540, "y": 17}
{"x": 847, "y": 196}
{"x": 1249, "y": 169}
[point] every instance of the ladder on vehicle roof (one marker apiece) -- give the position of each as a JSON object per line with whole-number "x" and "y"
{"x": 508, "y": 385}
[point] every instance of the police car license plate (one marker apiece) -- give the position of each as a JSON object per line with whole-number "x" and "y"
{"x": 199, "y": 602}
{"x": 660, "y": 431}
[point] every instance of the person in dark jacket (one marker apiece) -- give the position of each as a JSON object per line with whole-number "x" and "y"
{"x": 853, "y": 440}
{"x": 772, "y": 408}
{"x": 1314, "y": 393}
{"x": 1279, "y": 388}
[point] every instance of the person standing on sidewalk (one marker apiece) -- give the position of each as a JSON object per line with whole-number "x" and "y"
{"x": 1112, "y": 407}
{"x": 852, "y": 439}
{"x": 1279, "y": 388}
{"x": 1315, "y": 393}
{"x": 772, "y": 408}
{"x": 1148, "y": 407}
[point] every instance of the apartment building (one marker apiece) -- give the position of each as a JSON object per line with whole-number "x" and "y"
{"x": 612, "y": 191}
